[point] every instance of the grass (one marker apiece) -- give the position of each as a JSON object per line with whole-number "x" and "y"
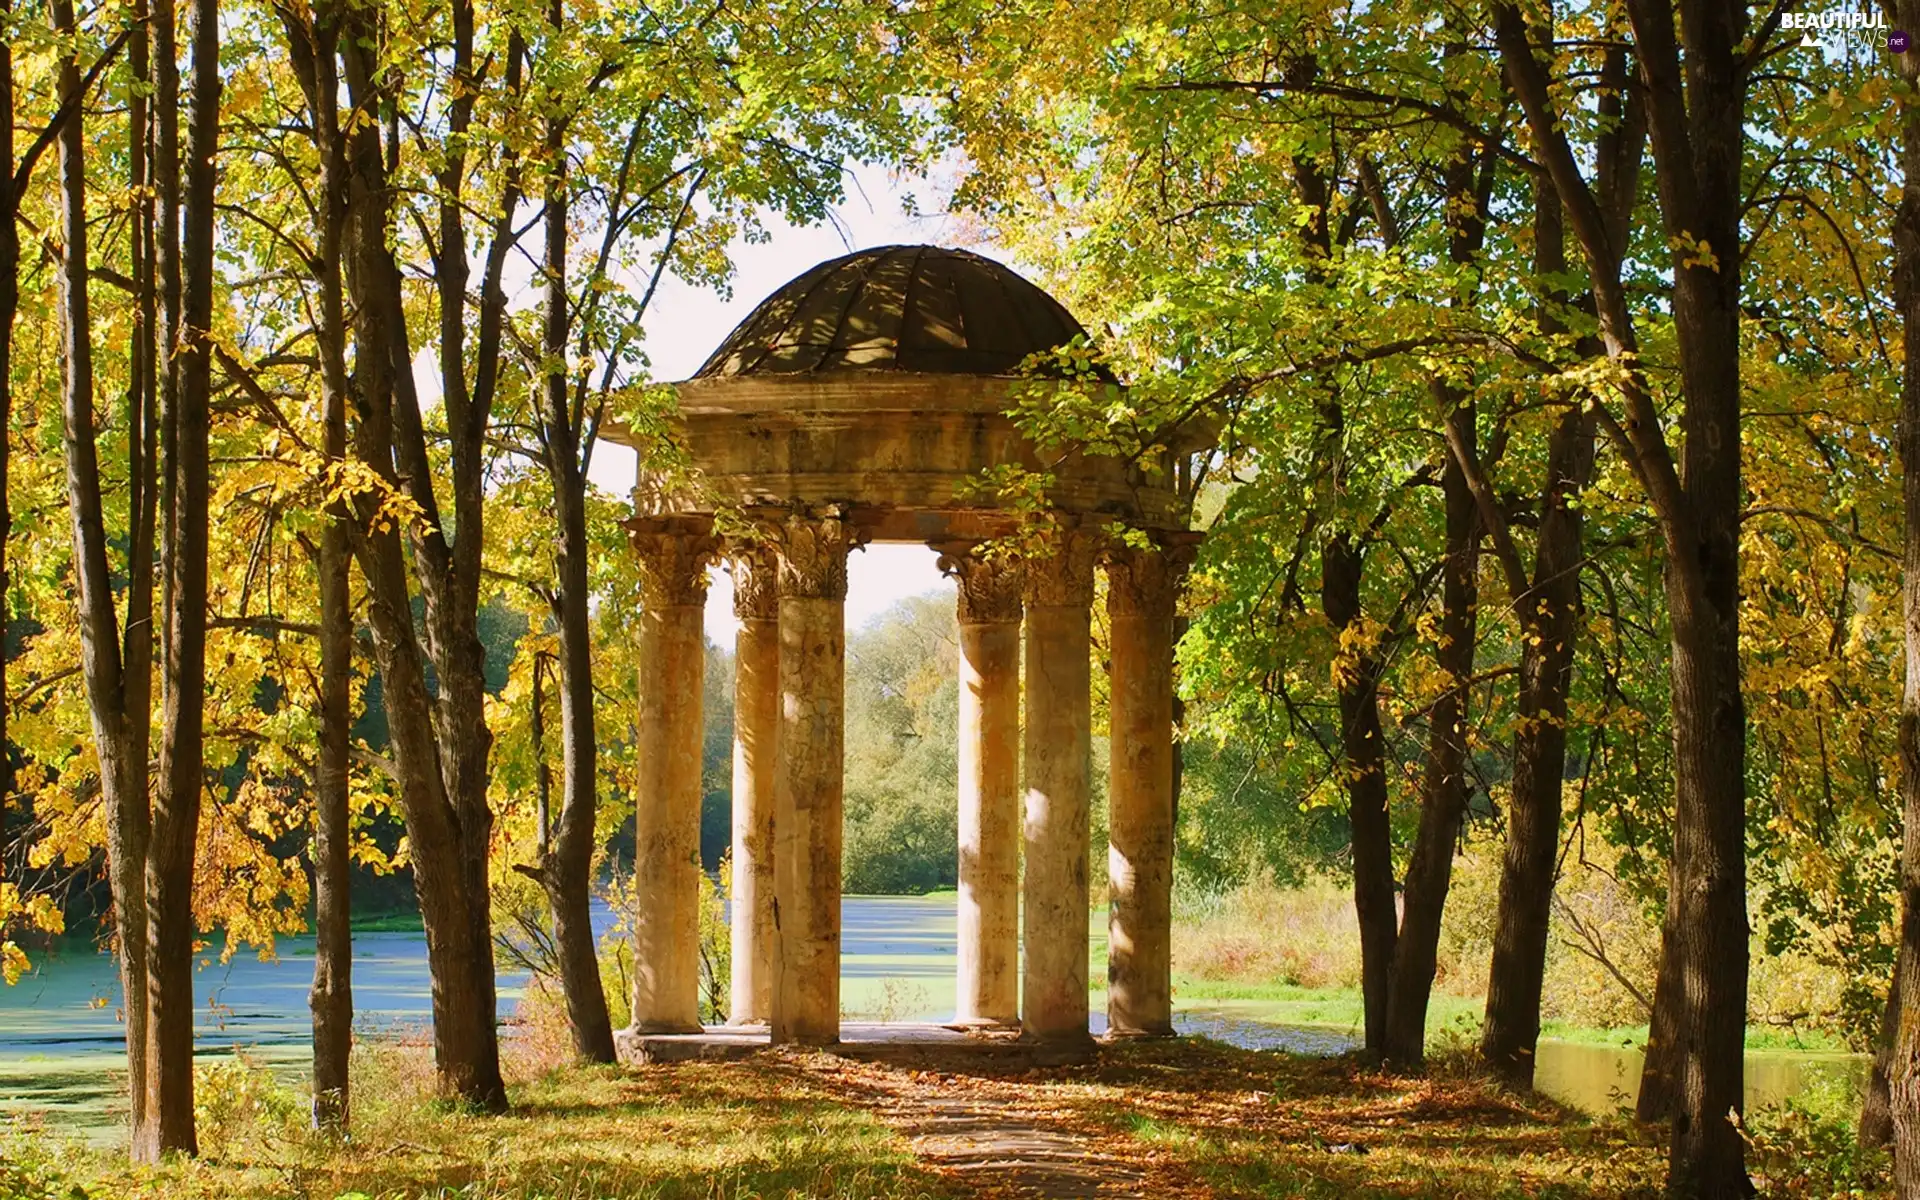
{"x": 397, "y": 921}
{"x": 690, "y": 1131}
{"x": 1295, "y": 953}
{"x": 1185, "y": 1119}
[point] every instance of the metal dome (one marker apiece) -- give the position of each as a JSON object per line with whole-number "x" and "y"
{"x": 919, "y": 309}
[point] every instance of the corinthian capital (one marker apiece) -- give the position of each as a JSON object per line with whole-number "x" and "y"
{"x": 674, "y": 553}
{"x": 989, "y": 586}
{"x": 813, "y": 551}
{"x": 1059, "y": 570}
{"x": 755, "y": 567}
{"x": 1147, "y": 580}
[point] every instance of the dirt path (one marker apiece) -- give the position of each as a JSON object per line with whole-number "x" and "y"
{"x": 979, "y": 1130}
{"x": 980, "y": 1140}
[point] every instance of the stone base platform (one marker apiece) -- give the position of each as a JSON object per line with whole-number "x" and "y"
{"x": 924, "y": 1046}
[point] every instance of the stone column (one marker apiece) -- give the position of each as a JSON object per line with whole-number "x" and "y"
{"x": 1059, "y": 591}
{"x": 808, "y": 780}
{"x": 988, "y": 991}
{"x": 674, "y": 553}
{"x": 756, "y": 728}
{"x": 1142, "y": 585}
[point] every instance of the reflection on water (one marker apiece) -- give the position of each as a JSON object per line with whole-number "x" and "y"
{"x": 61, "y": 1048}
{"x": 1603, "y": 1079}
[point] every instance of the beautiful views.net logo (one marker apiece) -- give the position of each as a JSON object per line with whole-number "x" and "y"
{"x": 1860, "y": 28}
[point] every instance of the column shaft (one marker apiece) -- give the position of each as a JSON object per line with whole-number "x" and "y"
{"x": 756, "y": 727}
{"x": 1058, "y": 747}
{"x": 988, "y": 979}
{"x": 1141, "y": 586}
{"x": 666, "y": 936}
{"x": 809, "y": 779}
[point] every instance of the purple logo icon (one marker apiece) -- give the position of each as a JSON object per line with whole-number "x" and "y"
{"x": 1898, "y": 41}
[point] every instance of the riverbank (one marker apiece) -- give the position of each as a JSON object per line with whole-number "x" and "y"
{"x": 1170, "y": 1120}
{"x": 1174, "y": 1120}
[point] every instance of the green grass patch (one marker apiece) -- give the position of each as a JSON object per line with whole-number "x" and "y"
{"x": 397, "y": 921}
{"x": 673, "y": 1133}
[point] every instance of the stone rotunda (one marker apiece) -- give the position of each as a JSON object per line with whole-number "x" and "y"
{"x": 863, "y": 402}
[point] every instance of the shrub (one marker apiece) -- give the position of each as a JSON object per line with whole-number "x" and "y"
{"x": 239, "y": 1106}
{"x": 1306, "y": 936}
{"x": 1799, "y": 1152}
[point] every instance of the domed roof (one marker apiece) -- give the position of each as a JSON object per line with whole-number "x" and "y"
{"x": 920, "y": 309}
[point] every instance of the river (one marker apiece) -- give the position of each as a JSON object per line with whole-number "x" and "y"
{"x": 61, "y": 1048}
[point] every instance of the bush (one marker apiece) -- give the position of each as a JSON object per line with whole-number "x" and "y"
{"x": 1306, "y": 936}
{"x": 240, "y": 1107}
{"x": 1801, "y": 1153}
{"x": 716, "y": 946}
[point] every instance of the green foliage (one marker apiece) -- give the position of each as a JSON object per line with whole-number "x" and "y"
{"x": 1801, "y": 1154}
{"x": 902, "y": 806}
{"x": 31, "y": 1170}
{"x": 716, "y": 945}
{"x": 240, "y": 1106}
{"x": 1241, "y": 817}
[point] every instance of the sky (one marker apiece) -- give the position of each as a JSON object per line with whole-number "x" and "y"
{"x": 686, "y": 323}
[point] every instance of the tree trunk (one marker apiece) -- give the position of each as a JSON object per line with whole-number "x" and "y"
{"x": 1362, "y": 749}
{"x": 440, "y": 757}
{"x": 122, "y": 778}
{"x": 1444, "y": 799}
{"x": 1467, "y": 183}
{"x": 542, "y": 773}
{"x": 1876, "y": 1110}
{"x": 1548, "y": 610}
{"x": 1549, "y": 623}
{"x": 1903, "y": 1069}
{"x": 1698, "y": 136}
{"x": 1362, "y": 758}
{"x": 9, "y": 309}
{"x": 1659, "y": 1093}
{"x": 182, "y": 774}
{"x": 568, "y": 873}
{"x": 568, "y": 870}
{"x": 1694, "y": 76}
{"x": 332, "y": 996}
{"x": 312, "y": 48}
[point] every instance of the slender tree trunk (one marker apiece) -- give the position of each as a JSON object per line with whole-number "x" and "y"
{"x": 163, "y": 163}
{"x": 9, "y": 309}
{"x": 1659, "y": 1094}
{"x": 1903, "y": 1065}
{"x": 123, "y": 776}
{"x": 1443, "y": 805}
{"x": 143, "y": 436}
{"x": 1468, "y": 183}
{"x": 1549, "y": 622}
{"x": 1876, "y": 1109}
{"x": 1362, "y": 742}
{"x": 1363, "y": 761}
{"x": 568, "y": 868}
{"x": 331, "y": 998}
{"x": 182, "y": 775}
{"x": 542, "y": 773}
{"x": 314, "y": 48}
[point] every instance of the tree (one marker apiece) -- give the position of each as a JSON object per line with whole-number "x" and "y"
{"x": 1903, "y": 1068}
{"x": 1695, "y": 67}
